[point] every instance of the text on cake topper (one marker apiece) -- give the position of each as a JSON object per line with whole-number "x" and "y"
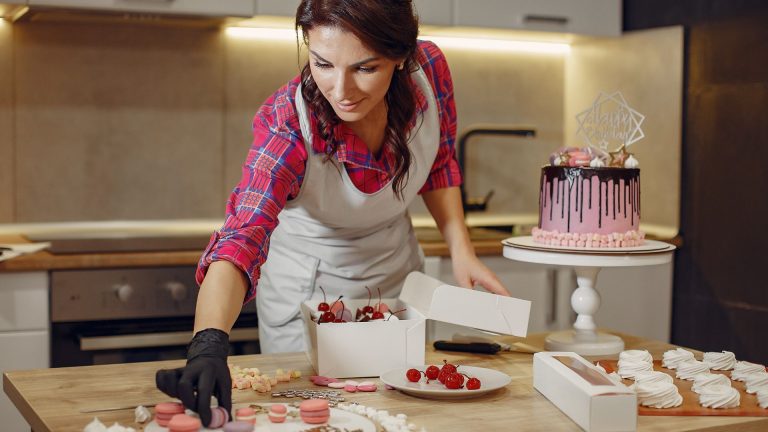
{"x": 610, "y": 123}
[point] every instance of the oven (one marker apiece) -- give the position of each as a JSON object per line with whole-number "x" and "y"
{"x": 128, "y": 315}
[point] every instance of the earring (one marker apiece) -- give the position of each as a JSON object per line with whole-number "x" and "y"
{"x": 401, "y": 66}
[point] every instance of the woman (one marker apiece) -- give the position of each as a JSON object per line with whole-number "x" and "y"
{"x": 338, "y": 154}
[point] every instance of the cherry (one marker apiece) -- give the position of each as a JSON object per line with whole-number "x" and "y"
{"x": 447, "y": 367}
{"x": 446, "y": 370}
{"x": 340, "y": 310}
{"x": 473, "y": 384}
{"x": 413, "y": 375}
{"x": 454, "y": 380}
{"x": 339, "y": 320}
{"x": 377, "y": 316}
{"x": 322, "y": 307}
{"x": 432, "y": 372}
{"x": 337, "y": 304}
{"x": 327, "y": 316}
{"x": 368, "y": 309}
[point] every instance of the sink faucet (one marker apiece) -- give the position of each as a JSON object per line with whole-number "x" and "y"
{"x": 480, "y": 204}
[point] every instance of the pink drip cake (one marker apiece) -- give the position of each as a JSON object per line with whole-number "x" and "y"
{"x": 590, "y": 207}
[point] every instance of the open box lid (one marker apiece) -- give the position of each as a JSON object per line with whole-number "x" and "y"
{"x": 455, "y": 305}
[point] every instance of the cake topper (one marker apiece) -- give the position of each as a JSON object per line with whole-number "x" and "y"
{"x": 609, "y": 127}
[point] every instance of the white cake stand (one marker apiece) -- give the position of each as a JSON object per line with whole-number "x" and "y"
{"x": 584, "y": 339}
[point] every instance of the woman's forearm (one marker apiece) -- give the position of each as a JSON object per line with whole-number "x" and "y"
{"x": 221, "y": 297}
{"x": 445, "y": 206}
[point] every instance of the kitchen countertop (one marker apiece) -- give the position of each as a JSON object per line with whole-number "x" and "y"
{"x": 487, "y": 242}
{"x": 52, "y": 399}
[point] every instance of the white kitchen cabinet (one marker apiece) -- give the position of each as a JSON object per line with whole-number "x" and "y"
{"x": 636, "y": 300}
{"x": 277, "y": 7}
{"x": 218, "y": 8}
{"x": 24, "y": 333}
{"x": 591, "y": 17}
{"x": 434, "y": 12}
{"x": 550, "y": 308}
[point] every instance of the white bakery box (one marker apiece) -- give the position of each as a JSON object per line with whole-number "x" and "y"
{"x": 584, "y": 393}
{"x": 367, "y": 349}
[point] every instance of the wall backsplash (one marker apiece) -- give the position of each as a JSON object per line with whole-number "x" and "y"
{"x": 120, "y": 122}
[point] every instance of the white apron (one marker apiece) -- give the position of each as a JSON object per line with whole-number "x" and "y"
{"x": 335, "y": 236}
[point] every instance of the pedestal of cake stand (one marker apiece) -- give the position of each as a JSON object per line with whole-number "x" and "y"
{"x": 584, "y": 338}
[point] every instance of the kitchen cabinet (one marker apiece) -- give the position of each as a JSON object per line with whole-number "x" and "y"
{"x": 219, "y": 8}
{"x": 24, "y": 333}
{"x": 636, "y": 300}
{"x": 434, "y": 12}
{"x": 277, "y": 7}
{"x": 591, "y": 17}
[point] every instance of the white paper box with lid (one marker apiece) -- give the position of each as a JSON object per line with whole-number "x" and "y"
{"x": 584, "y": 393}
{"x": 365, "y": 349}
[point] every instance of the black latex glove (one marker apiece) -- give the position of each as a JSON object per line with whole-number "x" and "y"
{"x": 206, "y": 374}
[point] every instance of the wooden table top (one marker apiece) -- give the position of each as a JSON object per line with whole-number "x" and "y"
{"x": 53, "y": 399}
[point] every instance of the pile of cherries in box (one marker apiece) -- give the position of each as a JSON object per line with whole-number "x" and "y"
{"x": 448, "y": 375}
{"x": 338, "y": 313}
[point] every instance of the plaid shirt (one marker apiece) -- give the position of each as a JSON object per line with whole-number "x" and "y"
{"x": 274, "y": 169}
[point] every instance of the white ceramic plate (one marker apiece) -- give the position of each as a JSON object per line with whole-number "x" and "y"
{"x": 341, "y": 419}
{"x": 490, "y": 380}
{"x": 528, "y": 243}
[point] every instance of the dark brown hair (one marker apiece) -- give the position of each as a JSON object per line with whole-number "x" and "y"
{"x": 389, "y": 28}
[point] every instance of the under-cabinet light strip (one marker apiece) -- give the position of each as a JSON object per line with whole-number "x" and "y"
{"x": 466, "y": 43}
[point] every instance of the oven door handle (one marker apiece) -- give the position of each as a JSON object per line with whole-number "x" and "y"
{"x": 148, "y": 340}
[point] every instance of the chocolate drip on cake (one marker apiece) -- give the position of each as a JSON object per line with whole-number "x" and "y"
{"x": 575, "y": 177}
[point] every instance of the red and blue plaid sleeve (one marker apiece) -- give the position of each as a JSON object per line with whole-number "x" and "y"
{"x": 272, "y": 174}
{"x": 445, "y": 170}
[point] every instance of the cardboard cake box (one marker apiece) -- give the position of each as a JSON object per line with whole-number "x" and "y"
{"x": 368, "y": 349}
{"x": 584, "y": 393}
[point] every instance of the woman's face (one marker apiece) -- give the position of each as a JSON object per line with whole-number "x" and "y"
{"x": 352, "y": 78}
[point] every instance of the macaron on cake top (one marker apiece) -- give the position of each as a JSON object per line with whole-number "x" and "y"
{"x": 277, "y": 413}
{"x": 164, "y": 411}
{"x": 184, "y": 423}
{"x": 238, "y": 426}
{"x": 314, "y": 411}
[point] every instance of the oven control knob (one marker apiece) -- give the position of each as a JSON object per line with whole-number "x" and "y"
{"x": 178, "y": 290}
{"x": 123, "y": 291}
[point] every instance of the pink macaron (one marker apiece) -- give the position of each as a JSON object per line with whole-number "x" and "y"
{"x": 219, "y": 416}
{"x": 165, "y": 411}
{"x": 277, "y": 413}
{"x": 246, "y": 414}
{"x": 184, "y": 423}
{"x": 314, "y": 411}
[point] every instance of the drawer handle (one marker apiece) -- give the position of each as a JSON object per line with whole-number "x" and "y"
{"x": 147, "y": 340}
{"x": 546, "y": 19}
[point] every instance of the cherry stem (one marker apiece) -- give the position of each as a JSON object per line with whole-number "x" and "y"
{"x": 392, "y": 313}
{"x": 321, "y": 289}
{"x": 369, "y": 295}
{"x": 379, "y": 290}
{"x": 337, "y": 300}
